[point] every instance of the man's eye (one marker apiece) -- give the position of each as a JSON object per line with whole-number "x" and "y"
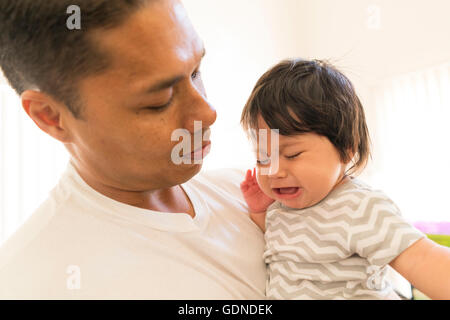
{"x": 294, "y": 155}
{"x": 161, "y": 107}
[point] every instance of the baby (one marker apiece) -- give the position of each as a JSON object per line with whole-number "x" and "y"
{"x": 328, "y": 235}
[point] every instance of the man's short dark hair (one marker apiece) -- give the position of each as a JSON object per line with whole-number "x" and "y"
{"x": 302, "y": 96}
{"x": 39, "y": 51}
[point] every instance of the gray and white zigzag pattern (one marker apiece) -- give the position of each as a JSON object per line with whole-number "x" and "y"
{"x": 336, "y": 249}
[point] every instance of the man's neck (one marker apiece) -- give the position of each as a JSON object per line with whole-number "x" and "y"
{"x": 169, "y": 200}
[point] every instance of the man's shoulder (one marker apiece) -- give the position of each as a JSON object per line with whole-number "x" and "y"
{"x": 220, "y": 189}
{"x": 223, "y": 174}
{"x": 29, "y": 229}
{"x": 224, "y": 180}
{"x": 23, "y": 256}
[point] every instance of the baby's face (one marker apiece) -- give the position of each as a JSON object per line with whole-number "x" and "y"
{"x": 309, "y": 167}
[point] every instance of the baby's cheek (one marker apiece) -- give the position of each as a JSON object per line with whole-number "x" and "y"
{"x": 321, "y": 186}
{"x": 263, "y": 182}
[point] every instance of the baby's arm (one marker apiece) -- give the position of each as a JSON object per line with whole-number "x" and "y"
{"x": 259, "y": 219}
{"x": 427, "y": 266}
{"x": 256, "y": 199}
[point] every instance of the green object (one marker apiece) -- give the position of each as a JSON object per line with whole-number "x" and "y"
{"x": 442, "y": 239}
{"x": 417, "y": 295}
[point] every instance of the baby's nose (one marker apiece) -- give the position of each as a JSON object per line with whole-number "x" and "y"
{"x": 276, "y": 172}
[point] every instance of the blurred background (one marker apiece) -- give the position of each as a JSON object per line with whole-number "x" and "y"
{"x": 397, "y": 53}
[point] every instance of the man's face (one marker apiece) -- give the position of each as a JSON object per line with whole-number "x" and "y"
{"x": 153, "y": 87}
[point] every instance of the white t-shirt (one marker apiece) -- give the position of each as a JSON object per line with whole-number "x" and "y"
{"x": 82, "y": 245}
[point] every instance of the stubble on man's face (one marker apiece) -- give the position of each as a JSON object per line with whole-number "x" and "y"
{"x": 122, "y": 141}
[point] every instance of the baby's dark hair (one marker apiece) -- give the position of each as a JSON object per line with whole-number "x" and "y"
{"x": 301, "y": 96}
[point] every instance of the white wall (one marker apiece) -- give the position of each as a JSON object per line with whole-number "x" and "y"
{"x": 412, "y": 34}
{"x": 244, "y": 38}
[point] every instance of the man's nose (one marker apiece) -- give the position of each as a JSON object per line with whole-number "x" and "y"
{"x": 199, "y": 109}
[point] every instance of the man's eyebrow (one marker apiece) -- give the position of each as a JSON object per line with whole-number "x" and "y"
{"x": 165, "y": 84}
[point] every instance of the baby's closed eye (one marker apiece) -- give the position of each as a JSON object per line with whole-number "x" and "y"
{"x": 293, "y": 156}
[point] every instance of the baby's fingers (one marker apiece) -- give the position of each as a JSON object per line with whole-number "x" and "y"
{"x": 244, "y": 186}
{"x": 248, "y": 176}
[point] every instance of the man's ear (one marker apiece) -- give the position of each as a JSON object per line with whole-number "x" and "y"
{"x": 46, "y": 113}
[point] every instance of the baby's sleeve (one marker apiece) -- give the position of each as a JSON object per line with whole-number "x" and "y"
{"x": 379, "y": 233}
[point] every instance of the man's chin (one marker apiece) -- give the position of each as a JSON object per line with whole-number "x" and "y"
{"x": 188, "y": 171}
{"x": 166, "y": 178}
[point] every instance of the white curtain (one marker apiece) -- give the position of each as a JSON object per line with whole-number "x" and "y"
{"x": 30, "y": 163}
{"x": 411, "y": 132}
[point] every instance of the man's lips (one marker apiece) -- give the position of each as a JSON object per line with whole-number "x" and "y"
{"x": 287, "y": 193}
{"x": 200, "y": 153}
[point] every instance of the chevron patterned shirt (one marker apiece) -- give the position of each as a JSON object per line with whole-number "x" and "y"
{"x": 337, "y": 249}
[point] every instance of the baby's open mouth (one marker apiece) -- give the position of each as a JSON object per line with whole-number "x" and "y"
{"x": 290, "y": 190}
{"x": 287, "y": 193}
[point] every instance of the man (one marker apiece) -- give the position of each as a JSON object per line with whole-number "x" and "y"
{"x": 125, "y": 221}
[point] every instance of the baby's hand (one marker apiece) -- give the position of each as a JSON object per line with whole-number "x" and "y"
{"x": 256, "y": 199}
